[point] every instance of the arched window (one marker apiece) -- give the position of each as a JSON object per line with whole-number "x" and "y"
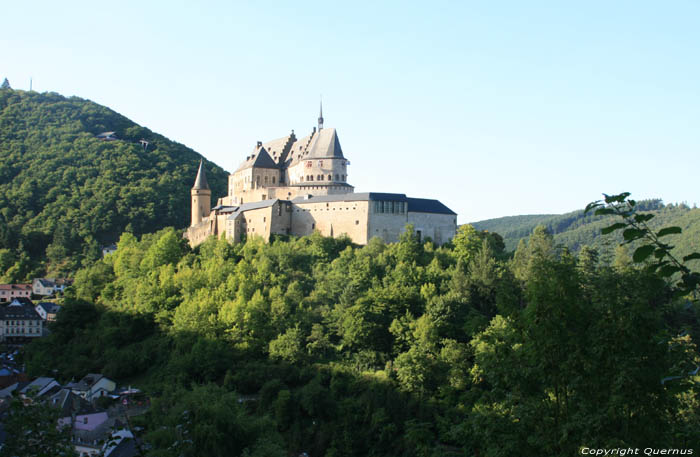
{"x": 342, "y": 177}
{"x": 273, "y": 180}
{"x": 265, "y": 180}
{"x": 337, "y": 177}
{"x": 330, "y": 178}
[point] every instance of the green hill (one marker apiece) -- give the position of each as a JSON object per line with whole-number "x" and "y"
{"x": 576, "y": 229}
{"x": 64, "y": 192}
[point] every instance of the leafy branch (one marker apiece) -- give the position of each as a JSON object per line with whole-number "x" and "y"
{"x": 635, "y": 228}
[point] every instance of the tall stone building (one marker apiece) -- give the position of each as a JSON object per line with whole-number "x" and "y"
{"x": 295, "y": 186}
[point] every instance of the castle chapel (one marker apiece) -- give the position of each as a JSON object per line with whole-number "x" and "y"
{"x": 295, "y": 186}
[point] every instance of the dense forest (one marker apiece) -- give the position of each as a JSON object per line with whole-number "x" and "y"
{"x": 316, "y": 345}
{"x": 577, "y": 229}
{"x": 64, "y": 193}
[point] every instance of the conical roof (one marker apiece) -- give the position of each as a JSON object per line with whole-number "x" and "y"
{"x": 326, "y": 145}
{"x": 201, "y": 182}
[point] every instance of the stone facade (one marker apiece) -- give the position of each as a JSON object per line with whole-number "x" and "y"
{"x": 293, "y": 186}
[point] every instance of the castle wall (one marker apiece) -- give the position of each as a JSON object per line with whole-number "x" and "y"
{"x": 275, "y": 219}
{"x": 388, "y": 227}
{"x": 331, "y": 219}
{"x": 440, "y": 227}
{"x": 198, "y": 233}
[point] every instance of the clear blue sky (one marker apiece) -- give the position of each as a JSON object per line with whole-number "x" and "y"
{"x": 495, "y": 108}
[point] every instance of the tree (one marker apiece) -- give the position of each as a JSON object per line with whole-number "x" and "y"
{"x": 31, "y": 430}
{"x": 5, "y": 84}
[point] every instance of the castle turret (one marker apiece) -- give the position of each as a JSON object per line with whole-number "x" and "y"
{"x": 201, "y": 196}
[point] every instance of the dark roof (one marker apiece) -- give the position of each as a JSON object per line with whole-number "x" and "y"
{"x": 319, "y": 184}
{"x": 415, "y": 205}
{"x": 259, "y": 159}
{"x": 45, "y": 282}
{"x": 223, "y": 209}
{"x": 251, "y": 206}
{"x": 352, "y": 197}
{"x": 70, "y": 403}
{"x": 49, "y": 307}
{"x": 425, "y": 205}
{"x": 201, "y": 181}
{"x": 91, "y": 379}
{"x": 19, "y": 310}
{"x": 326, "y": 145}
{"x": 125, "y": 448}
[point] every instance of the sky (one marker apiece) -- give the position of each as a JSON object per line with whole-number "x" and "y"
{"x": 494, "y": 108}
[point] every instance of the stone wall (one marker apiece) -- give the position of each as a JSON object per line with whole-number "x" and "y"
{"x": 440, "y": 227}
{"x": 331, "y": 219}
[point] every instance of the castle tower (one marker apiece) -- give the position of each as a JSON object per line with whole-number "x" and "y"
{"x": 201, "y": 196}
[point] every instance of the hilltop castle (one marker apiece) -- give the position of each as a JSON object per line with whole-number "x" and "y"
{"x": 293, "y": 186}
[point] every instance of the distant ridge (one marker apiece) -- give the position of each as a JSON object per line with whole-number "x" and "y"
{"x": 74, "y": 175}
{"x": 576, "y": 229}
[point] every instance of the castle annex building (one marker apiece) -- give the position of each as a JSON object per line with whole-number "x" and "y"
{"x": 295, "y": 186}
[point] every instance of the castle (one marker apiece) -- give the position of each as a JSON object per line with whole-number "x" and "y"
{"x": 292, "y": 186}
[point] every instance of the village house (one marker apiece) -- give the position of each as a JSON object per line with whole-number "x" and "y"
{"x": 19, "y": 321}
{"x": 49, "y": 286}
{"x": 93, "y": 386}
{"x": 8, "y": 292}
{"x": 47, "y": 310}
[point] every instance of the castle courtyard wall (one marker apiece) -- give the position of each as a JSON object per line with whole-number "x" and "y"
{"x": 332, "y": 219}
{"x": 440, "y": 227}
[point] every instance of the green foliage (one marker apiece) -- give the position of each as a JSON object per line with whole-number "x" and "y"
{"x": 635, "y": 229}
{"x": 315, "y": 345}
{"x": 64, "y": 193}
{"x": 31, "y": 430}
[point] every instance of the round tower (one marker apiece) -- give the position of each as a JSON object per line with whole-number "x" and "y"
{"x": 201, "y": 196}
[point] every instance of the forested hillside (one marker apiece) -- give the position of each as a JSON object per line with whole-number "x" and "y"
{"x": 315, "y": 345}
{"x": 64, "y": 192}
{"x": 576, "y": 229}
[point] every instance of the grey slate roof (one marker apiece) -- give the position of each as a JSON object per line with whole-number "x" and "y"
{"x": 353, "y": 197}
{"x": 326, "y": 145}
{"x": 50, "y": 308}
{"x": 415, "y": 205}
{"x": 425, "y": 205}
{"x": 19, "y": 309}
{"x": 125, "y": 448}
{"x": 200, "y": 183}
{"x": 259, "y": 159}
{"x": 252, "y": 205}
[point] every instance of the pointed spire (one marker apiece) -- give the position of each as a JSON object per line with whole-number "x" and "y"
{"x": 201, "y": 181}
{"x": 320, "y": 116}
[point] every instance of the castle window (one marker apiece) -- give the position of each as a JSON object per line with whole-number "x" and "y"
{"x": 330, "y": 177}
{"x": 342, "y": 177}
{"x": 273, "y": 180}
{"x": 312, "y": 177}
{"x": 265, "y": 180}
{"x": 357, "y": 222}
{"x": 313, "y": 226}
{"x": 320, "y": 163}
